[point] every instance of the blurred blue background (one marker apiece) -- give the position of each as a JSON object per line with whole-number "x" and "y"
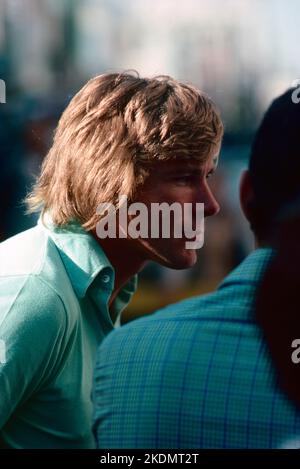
{"x": 241, "y": 52}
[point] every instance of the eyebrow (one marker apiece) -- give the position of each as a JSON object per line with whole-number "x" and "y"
{"x": 180, "y": 171}
{"x": 189, "y": 168}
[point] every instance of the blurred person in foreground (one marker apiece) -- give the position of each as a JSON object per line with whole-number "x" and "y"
{"x": 278, "y": 308}
{"x": 198, "y": 374}
{"x": 62, "y": 288}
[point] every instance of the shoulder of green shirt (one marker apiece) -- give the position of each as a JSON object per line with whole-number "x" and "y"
{"x": 33, "y": 327}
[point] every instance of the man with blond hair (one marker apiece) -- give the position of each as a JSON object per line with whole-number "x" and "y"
{"x": 62, "y": 288}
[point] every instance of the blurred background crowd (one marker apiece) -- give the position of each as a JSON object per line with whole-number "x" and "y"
{"x": 241, "y": 52}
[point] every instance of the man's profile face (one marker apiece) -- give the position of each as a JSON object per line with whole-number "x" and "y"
{"x": 184, "y": 181}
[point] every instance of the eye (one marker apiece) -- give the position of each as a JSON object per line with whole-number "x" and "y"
{"x": 183, "y": 180}
{"x": 210, "y": 174}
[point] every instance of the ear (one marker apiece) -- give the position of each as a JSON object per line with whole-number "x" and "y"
{"x": 246, "y": 194}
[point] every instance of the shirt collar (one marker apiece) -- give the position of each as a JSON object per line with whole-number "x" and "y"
{"x": 85, "y": 260}
{"x": 251, "y": 270}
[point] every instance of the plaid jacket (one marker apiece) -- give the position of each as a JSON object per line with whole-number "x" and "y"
{"x": 195, "y": 374}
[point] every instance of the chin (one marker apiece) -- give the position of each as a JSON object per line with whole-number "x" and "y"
{"x": 173, "y": 256}
{"x": 186, "y": 260}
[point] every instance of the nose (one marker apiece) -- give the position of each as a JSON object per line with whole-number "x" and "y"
{"x": 211, "y": 206}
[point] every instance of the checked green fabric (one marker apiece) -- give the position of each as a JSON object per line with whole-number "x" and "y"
{"x": 195, "y": 374}
{"x": 55, "y": 284}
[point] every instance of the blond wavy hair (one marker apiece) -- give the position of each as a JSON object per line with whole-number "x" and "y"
{"x": 110, "y": 133}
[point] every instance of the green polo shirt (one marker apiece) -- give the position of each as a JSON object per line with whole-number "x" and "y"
{"x": 55, "y": 285}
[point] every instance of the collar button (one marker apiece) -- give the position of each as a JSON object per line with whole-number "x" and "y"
{"x": 105, "y": 278}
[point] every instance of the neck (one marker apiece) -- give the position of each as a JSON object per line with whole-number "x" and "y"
{"x": 264, "y": 242}
{"x": 125, "y": 259}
